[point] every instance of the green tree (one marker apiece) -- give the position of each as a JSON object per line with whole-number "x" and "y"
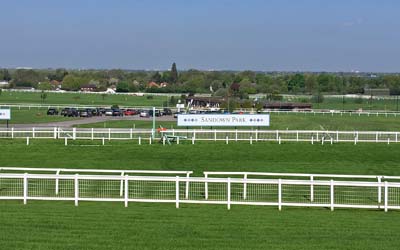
{"x": 71, "y": 82}
{"x": 6, "y": 75}
{"x": 122, "y": 87}
{"x": 174, "y": 73}
{"x": 43, "y": 96}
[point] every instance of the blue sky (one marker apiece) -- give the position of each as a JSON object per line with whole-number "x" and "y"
{"x": 266, "y": 35}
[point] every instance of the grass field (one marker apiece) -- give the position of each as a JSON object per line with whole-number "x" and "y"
{"x": 101, "y": 225}
{"x": 81, "y": 98}
{"x": 287, "y": 121}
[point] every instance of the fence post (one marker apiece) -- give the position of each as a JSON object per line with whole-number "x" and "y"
{"x": 177, "y": 192}
{"x": 33, "y": 132}
{"x": 245, "y": 187}
{"x": 150, "y": 140}
{"x": 312, "y": 139}
{"x": 126, "y": 191}
{"x": 317, "y": 136}
{"x": 130, "y": 133}
{"x": 236, "y": 135}
{"x": 140, "y": 140}
{"x": 76, "y": 189}
{"x": 193, "y": 140}
{"x": 121, "y": 186}
{"x": 92, "y": 135}
{"x": 25, "y": 188}
{"x": 396, "y": 137}
{"x": 206, "y": 187}
{"x": 57, "y": 181}
{"x": 74, "y": 133}
{"x": 337, "y": 136}
{"x": 65, "y": 141}
{"x": 227, "y": 140}
{"x": 58, "y": 132}
{"x": 277, "y": 135}
{"x": 251, "y": 140}
{"x": 312, "y": 188}
{"x": 109, "y": 134}
{"x": 256, "y": 135}
{"x": 279, "y": 140}
{"x": 388, "y": 141}
{"x": 355, "y": 140}
{"x": 27, "y": 141}
{"x": 280, "y": 194}
{"x": 297, "y": 136}
{"x": 228, "y": 195}
{"x": 332, "y": 195}
{"x": 215, "y": 135}
{"x": 379, "y": 189}
{"x": 322, "y": 140}
{"x": 55, "y": 133}
{"x": 187, "y": 186}
{"x": 331, "y": 140}
{"x": 163, "y": 140}
{"x": 376, "y": 139}
{"x": 386, "y": 196}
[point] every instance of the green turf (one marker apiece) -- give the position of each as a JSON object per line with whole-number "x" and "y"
{"x": 101, "y": 225}
{"x": 81, "y": 98}
{"x": 296, "y": 121}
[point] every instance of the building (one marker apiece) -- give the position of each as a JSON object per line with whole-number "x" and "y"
{"x": 88, "y": 88}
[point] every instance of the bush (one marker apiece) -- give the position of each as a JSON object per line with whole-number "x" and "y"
{"x": 115, "y": 106}
{"x": 149, "y": 97}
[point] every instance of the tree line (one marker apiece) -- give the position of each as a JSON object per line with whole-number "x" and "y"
{"x": 219, "y": 83}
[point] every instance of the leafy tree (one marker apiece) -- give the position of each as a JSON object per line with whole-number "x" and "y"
{"x": 174, "y": 73}
{"x": 122, "y": 87}
{"x": 71, "y": 82}
{"x": 44, "y": 86}
{"x": 103, "y": 96}
{"x": 6, "y": 75}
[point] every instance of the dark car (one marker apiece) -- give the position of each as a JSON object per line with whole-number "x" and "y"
{"x": 117, "y": 112}
{"x": 52, "y": 111}
{"x": 70, "y": 112}
{"x": 167, "y": 111}
{"x": 100, "y": 111}
{"x": 157, "y": 113}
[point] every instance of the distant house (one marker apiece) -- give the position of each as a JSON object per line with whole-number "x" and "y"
{"x": 55, "y": 84}
{"x": 163, "y": 84}
{"x": 89, "y": 88}
{"x": 204, "y": 102}
{"x": 153, "y": 85}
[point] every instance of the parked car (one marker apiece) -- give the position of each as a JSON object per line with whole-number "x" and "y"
{"x": 100, "y": 111}
{"x": 85, "y": 113}
{"x": 144, "y": 113}
{"x": 52, "y": 111}
{"x": 167, "y": 111}
{"x": 70, "y": 112}
{"x": 157, "y": 113}
{"x": 108, "y": 112}
{"x": 117, "y": 112}
{"x": 130, "y": 112}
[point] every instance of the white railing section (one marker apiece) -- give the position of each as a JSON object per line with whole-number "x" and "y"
{"x": 192, "y": 135}
{"x": 227, "y": 191}
{"x": 66, "y": 171}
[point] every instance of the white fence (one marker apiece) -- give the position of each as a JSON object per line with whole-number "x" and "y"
{"x": 227, "y": 191}
{"x": 192, "y": 135}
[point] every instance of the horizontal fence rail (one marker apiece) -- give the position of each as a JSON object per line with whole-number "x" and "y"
{"x": 227, "y": 191}
{"x": 192, "y": 135}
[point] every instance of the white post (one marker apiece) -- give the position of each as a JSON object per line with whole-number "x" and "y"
{"x": 312, "y": 188}
{"x": 245, "y": 187}
{"x": 126, "y": 191}
{"x": 193, "y": 140}
{"x": 388, "y": 140}
{"x": 386, "y": 196}
{"x": 279, "y": 140}
{"x": 25, "y": 188}
{"x": 322, "y": 140}
{"x": 297, "y": 135}
{"x": 215, "y": 135}
{"x": 227, "y": 140}
{"x": 236, "y": 135}
{"x": 92, "y": 135}
{"x": 140, "y": 140}
{"x": 102, "y": 141}
{"x": 187, "y": 186}
{"x": 76, "y": 189}
{"x": 396, "y": 137}
{"x": 177, "y": 140}
{"x": 251, "y": 140}
{"x": 355, "y": 140}
{"x": 65, "y": 141}
{"x": 57, "y": 181}
{"x": 33, "y": 132}
{"x": 228, "y": 195}
{"x": 379, "y": 189}
{"x": 130, "y": 134}
{"x": 256, "y": 135}
{"x": 312, "y": 139}
{"x": 177, "y": 192}
{"x": 163, "y": 140}
{"x": 109, "y": 134}
{"x": 277, "y": 135}
{"x": 27, "y": 141}
{"x": 332, "y": 195}
{"x": 55, "y": 133}
{"x": 206, "y": 187}
{"x": 121, "y": 186}
{"x": 150, "y": 140}
{"x": 376, "y": 139}
{"x": 337, "y": 136}
{"x": 280, "y": 194}
{"x": 73, "y": 133}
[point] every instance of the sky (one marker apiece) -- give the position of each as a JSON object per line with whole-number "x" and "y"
{"x": 265, "y": 35}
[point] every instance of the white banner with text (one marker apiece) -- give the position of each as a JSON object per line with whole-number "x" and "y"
{"x": 5, "y": 114}
{"x": 228, "y": 120}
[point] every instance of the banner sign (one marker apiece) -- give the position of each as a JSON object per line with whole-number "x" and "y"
{"x": 5, "y": 114}
{"x": 227, "y": 120}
